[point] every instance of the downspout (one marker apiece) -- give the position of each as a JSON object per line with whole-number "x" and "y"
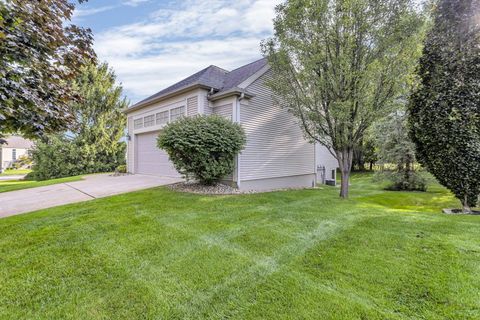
{"x": 237, "y": 120}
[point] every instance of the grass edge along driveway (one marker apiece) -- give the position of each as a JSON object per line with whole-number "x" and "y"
{"x": 14, "y": 185}
{"x": 303, "y": 254}
{"x": 15, "y": 172}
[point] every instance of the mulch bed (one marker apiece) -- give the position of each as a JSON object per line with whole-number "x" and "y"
{"x": 218, "y": 189}
{"x": 195, "y": 187}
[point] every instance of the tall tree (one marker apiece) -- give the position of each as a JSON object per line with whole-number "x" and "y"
{"x": 445, "y": 108}
{"x": 93, "y": 143}
{"x": 338, "y": 64}
{"x": 99, "y": 119}
{"x": 395, "y": 147}
{"x": 40, "y": 55}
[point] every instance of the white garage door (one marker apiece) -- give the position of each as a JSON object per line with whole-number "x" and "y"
{"x": 151, "y": 160}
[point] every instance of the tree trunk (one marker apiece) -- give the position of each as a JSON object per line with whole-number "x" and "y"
{"x": 345, "y": 159}
{"x": 408, "y": 169}
{"x": 466, "y": 207}
{"x": 344, "y": 188}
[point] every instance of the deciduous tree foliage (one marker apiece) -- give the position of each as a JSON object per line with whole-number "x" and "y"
{"x": 445, "y": 109}
{"x": 40, "y": 55}
{"x": 338, "y": 64}
{"x": 93, "y": 142}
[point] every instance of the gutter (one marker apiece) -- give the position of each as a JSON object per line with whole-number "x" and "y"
{"x": 151, "y": 101}
{"x": 231, "y": 92}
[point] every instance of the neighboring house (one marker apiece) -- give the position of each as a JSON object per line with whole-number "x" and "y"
{"x": 12, "y": 150}
{"x": 276, "y": 154}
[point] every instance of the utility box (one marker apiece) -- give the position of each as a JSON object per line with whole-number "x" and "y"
{"x": 329, "y": 182}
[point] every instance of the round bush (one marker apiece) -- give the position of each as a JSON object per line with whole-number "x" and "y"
{"x": 203, "y": 147}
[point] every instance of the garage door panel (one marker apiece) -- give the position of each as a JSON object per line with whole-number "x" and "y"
{"x": 150, "y": 159}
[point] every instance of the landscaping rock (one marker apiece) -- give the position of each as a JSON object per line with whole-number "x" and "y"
{"x": 219, "y": 189}
{"x": 195, "y": 187}
{"x": 459, "y": 211}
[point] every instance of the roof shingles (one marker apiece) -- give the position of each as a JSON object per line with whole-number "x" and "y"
{"x": 212, "y": 76}
{"x": 18, "y": 143}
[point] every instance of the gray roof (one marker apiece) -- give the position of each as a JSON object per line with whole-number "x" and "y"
{"x": 213, "y": 77}
{"x": 18, "y": 142}
{"x": 237, "y": 76}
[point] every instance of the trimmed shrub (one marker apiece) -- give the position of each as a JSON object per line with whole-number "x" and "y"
{"x": 203, "y": 147}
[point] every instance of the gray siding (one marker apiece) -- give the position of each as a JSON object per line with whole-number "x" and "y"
{"x": 207, "y": 110}
{"x": 275, "y": 143}
{"x": 192, "y": 106}
{"x": 327, "y": 160}
{"x": 130, "y": 146}
{"x": 224, "y": 111}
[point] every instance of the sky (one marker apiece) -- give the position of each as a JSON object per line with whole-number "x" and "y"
{"x": 152, "y": 44}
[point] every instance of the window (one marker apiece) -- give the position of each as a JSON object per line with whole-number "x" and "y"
{"x": 149, "y": 121}
{"x": 162, "y": 117}
{"x": 177, "y": 113}
{"x": 14, "y": 154}
{"x": 138, "y": 123}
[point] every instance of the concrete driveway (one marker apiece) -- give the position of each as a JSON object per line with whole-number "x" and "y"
{"x": 92, "y": 187}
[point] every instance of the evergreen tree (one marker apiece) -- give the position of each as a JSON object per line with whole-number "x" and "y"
{"x": 94, "y": 142}
{"x": 99, "y": 119}
{"x": 395, "y": 147}
{"x": 445, "y": 109}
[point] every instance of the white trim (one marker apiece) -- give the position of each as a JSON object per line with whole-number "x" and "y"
{"x": 234, "y": 110}
{"x": 169, "y": 106}
{"x": 200, "y": 103}
{"x": 239, "y": 156}
{"x": 254, "y": 77}
{"x": 152, "y": 101}
{"x": 155, "y": 127}
{"x": 134, "y": 138}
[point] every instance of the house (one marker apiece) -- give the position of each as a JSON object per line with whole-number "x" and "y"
{"x": 276, "y": 154}
{"x": 13, "y": 148}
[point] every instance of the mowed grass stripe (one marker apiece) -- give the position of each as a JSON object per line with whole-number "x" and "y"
{"x": 304, "y": 254}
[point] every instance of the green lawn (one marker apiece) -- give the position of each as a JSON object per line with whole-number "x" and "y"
{"x": 304, "y": 254}
{"x": 13, "y": 185}
{"x": 15, "y": 172}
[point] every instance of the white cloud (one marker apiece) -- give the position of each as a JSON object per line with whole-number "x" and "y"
{"x": 145, "y": 75}
{"x": 134, "y": 3}
{"x": 176, "y": 42}
{"x": 78, "y": 13}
